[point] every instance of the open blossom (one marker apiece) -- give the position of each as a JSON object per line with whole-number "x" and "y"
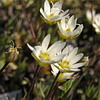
{"x": 53, "y": 14}
{"x": 71, "y": 62}
{"x": 96, "y": 23}
{"x": 67, "y": 28}
{"x": 62, "y": 76}
{"x": 45, "y": 55}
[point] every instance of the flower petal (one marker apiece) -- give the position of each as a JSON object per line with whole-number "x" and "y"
{"x": 67, "y": 49}
{"x": 78, "y": 65}
{"x": 58, "y": 67}
{"x": 64, "y": 14}
{"x": 60, "y": 28}
{"x": 47, "y": 7}
{"x": 46, "y": 42}
{"x": 43, "y": 14}
{"x": 56, "y": 9}
{"x": 63, "y": 24}
{"x": 37, "y": 48}
{"x": 78, "y": 30}
{"x": 97, "y": 19}
{"x": 58, "y": 58}
{"x": 73, "y": 24}
{"x": 30, "y": 47}
{"x": 76, "y": 58}
{"x": 57, "y": 48}
{"x": 72, "y": 69}
{"x": 71, "y": 19}
{"x": 72, "y": 54}
{"x": 55, "y": 18}
{"x": 67, "y": 75}
{"x": 58, "y": 5}
{"x": 53, "y": 46}
{"x": 54, "y": 70}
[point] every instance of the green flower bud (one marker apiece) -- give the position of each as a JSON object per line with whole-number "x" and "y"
{"x": 86, "y": 59}
{"x": 12, "y": 54}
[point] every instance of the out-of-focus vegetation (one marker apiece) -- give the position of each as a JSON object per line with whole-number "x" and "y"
{"x": 21, "y": 22}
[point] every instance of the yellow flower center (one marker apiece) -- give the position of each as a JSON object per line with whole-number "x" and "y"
{"x": 68, "y": 30}
{"x": 61, "y": 77}
{"x": 45, "y": 56}
{"x": 64, "y": 64}
{"x": 51, "y": 15}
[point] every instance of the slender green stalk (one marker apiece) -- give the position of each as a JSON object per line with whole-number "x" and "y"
{"x": 55, "y": 90}
{"x": 32, "y": 84}
{"x": 5, "y": 65}
{"x": 52, "y": 86}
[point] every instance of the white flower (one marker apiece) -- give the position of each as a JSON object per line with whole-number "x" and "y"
{"x": 67, "y": 28}
{"x": 45, "y": 55}
{"x": 90, "y": 15}
{"x": 71, "y": 61}
{"x": 96, "y": 23}
{"x": 62, "y": 76}
{"x": 94, "y": 19}
{"x": 53, "y": 14}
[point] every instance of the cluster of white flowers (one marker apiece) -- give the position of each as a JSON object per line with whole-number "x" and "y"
{"x": 62, "y": 58}
{"x": 45, "y": 55}
{"x": 67, "y": 25}
{"x": 94, "y": 19}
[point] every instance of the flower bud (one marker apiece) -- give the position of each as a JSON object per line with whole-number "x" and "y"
{"x": 86, "y": 59}
{"x": 12, "y": 54}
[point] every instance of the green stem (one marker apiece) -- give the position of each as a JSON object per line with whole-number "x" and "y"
{"x": 32, "y": 84}
{"x": 5, "y": 65}
{"x": 49, "y": 93}
{"x": 55, "y": 90}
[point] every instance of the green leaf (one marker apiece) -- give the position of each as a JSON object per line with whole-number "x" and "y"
{"x": 68, "y": 85}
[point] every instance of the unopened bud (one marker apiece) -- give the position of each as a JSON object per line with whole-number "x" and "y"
{"x": 86, "y": 59}
{"x": 12, "y": 54}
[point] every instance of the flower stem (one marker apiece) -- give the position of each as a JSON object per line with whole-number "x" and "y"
{"x": 32, "y": 84}
{"x": 55, "y": 89}
{"x": 5, "y": 65}
{"x": 49, "y": 93}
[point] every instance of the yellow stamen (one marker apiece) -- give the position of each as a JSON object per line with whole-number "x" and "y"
{"x": 64, "y": 64}
{"x": 61, "y": 75}
{"x": 51, "y": 15}
{"x": 45, "y": 56}
{"x": 68, "y": 30}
